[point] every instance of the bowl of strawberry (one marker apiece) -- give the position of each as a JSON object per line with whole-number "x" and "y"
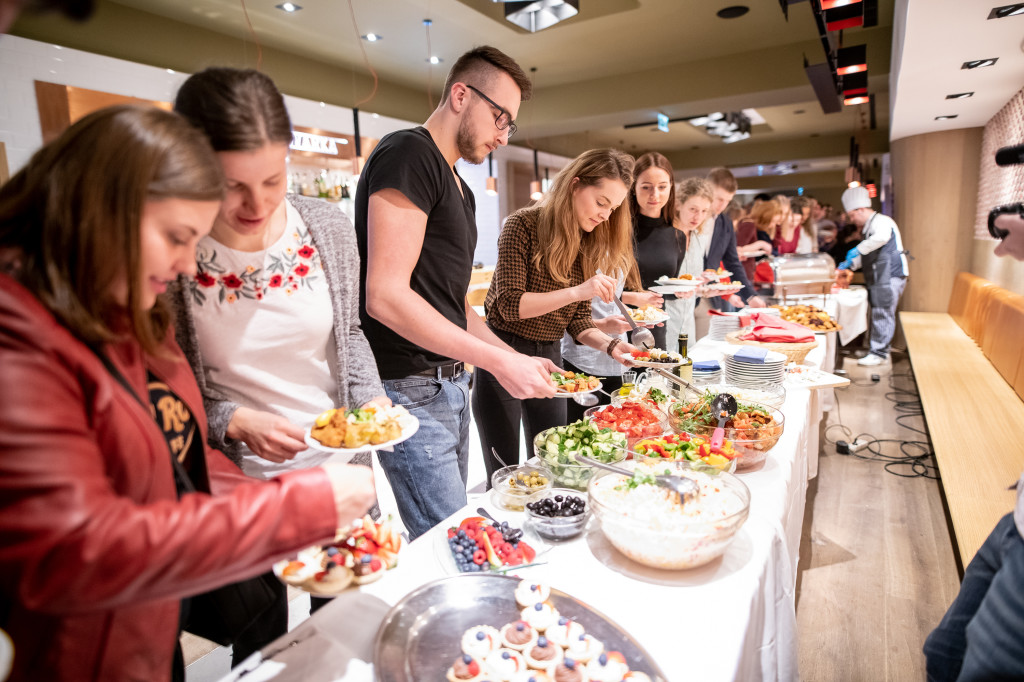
{"x": 637, "y": 420}
{"x": 479, "y": 545}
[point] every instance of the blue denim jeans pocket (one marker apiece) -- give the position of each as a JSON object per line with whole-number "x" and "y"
{"x": 428, "y": 472}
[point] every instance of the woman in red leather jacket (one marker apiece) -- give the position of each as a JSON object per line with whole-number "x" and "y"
{"x": 99, "y": 544}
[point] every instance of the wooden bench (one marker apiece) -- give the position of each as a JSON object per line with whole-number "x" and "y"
{"x": 970, "y": 375}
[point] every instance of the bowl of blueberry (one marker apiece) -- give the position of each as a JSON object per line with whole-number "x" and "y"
{"x": 558, "y": 513}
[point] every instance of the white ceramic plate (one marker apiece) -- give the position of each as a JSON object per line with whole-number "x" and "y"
{"x": 660, "y": 318}
{"x": 674, "y": 282}
{"x": 569, "y": 394}
{"x": 410, "y": 425}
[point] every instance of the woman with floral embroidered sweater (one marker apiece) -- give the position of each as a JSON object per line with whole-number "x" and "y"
{"x": 270, "y": 322}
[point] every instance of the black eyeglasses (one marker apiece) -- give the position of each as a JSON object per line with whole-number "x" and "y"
{"x": 504, "y": 119}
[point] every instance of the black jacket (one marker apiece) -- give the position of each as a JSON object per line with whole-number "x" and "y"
{"x": 723, "y": 250}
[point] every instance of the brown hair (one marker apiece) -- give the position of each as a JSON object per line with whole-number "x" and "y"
{"x": 609, "y": 248}
{"x": 239, "y": 110}
{"x": 479, "y": 65}
{"x": 764, "y": 214}
{"x": 654, "y": 160}
{"x": 723, "y": 179}
{"x": 71, "y": 233}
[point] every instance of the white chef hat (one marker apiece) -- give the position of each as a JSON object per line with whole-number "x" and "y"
{"x": 856, "y": 197}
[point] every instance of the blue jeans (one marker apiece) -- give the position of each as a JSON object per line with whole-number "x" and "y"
{"x": 981, "y": 637}
{"x": 428, "y": 472}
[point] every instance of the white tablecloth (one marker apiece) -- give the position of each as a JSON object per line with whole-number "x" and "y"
{"x": 733, "y": 619}
{"x": 851, "y": 312}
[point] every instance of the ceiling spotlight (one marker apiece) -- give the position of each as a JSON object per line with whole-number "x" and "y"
{"x": 372, "y": 37}
{"x": 537, "y": 15}
{"x": 946, "y": 118}
{"x": 434, "y": 59}
{"x": 288, "y": 7}
{"x": 732, "y": 12}
{"x": 960, "y": 95}
{"x": 859, "y": 99}
{"x": 1006, "y": 11}
{"x": 979, "y": 63}
{"x": 169, "y": 70}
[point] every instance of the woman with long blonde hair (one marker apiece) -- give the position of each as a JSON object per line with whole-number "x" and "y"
{"x": 693, "y": 200}
{"x": 552, "y": 260}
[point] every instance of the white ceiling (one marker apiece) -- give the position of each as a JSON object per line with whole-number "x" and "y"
{"x": 938, "y": 36}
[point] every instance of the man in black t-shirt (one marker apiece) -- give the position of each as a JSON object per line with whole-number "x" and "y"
{"x": 416, "y": 230}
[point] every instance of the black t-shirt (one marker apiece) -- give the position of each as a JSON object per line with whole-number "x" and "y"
{"x": 410, "y": 162}
{"x": 181, "y": 432}
{"x": 658, "y": 253}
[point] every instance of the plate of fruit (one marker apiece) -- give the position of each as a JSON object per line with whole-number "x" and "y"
{"x": 480, "y": 545}
{"x": 357, "y": 556}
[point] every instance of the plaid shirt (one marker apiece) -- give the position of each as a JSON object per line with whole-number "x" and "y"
{"x": 515, "y": 276}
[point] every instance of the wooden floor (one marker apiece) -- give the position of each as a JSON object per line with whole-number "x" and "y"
{"x": 877, "y": 567}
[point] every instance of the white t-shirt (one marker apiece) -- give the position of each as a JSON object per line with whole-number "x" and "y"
{"x": 591, "y": 360}
{"x": 266, "y": 333}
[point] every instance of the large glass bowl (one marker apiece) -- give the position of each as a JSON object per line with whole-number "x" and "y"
{"x": 566, "y": 472}
{"x": 752, "y": 443}
{"x": 772, "y": 395}
{"x": 651, "y": 527}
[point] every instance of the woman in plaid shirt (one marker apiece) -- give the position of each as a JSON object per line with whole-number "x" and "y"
{"x": 551, "y": 257}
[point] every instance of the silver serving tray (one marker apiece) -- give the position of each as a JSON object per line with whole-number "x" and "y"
{"x": 420, "y": 636}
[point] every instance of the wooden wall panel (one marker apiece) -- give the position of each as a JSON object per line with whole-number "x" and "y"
{"x": 54, "y": 111}
{"x": 935, "y": 181}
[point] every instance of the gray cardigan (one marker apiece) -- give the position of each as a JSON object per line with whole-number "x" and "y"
{"x": 357, "y": 377}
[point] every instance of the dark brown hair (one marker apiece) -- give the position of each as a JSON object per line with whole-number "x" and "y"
{"x": 723, "y": 179}
{"x": 654, "y": 160}
{"x": 69, "y": 220}
{"x": 479, "y": 64}
{"x": 239, "y": 109}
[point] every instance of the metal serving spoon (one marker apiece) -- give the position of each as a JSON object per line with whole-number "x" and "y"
{"x": 589, "y": 399}
{"x": 642, "y": 336}
{"x": 685, "y": 487}
{"x": 724, "y": 405}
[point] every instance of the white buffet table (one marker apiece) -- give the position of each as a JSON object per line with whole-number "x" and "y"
{"x": 733, "y": 619}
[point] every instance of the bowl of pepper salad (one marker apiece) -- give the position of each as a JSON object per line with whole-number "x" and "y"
{"x": 682, "y": 447}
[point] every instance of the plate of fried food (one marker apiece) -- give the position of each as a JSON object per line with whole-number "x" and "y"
{"x": 574, "y": 383}
{"x": 357, "y": 556}
{"x": 809, "y": 316}
{"x": 348, "y": 431}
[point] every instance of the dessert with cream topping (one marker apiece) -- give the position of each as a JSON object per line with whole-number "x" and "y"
{"x": 481, "y": 640}
{"x": 465, "y": 669}
{"x": 543, "y": 655}
{"x": 518, "y": 635}
{"x": 540, "y": 615}
{"x": 505, "y": 663}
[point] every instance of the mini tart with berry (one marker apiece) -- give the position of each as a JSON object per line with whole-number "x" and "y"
{"x": 584, "y": 648}
{"x": 505, "y": 664}
{"x": 564, "y": 631}
{"x": 569, "y": 671}
{"x": 333, "y": 580}
{"x": 544, "y": 654}
{"x": 518, "y": 635}
{"x": 608, "y": 667}
{"x": 540, "y": 616}
{"x": 530, "y": 593}
{"x": 368, "y": 569}
{"x": 465, "y": 669}
{"x": 532, "y": 676}
{"x": 481, "y": 640}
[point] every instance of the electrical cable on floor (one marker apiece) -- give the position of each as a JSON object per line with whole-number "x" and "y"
{"x": 916, "y": 457}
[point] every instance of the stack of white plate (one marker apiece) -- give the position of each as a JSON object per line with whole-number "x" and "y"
{"x": 773, "y": 371}
{"x": 707, "y": 376}
{"x": 722, "y": 325}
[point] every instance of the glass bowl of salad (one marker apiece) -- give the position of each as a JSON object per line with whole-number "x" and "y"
{"x": 753, "y": 430}
{"x": 557, "y": 447}
{"x": 634, "y": 419}
{"x": 682, "y": 449}
{"x": 652, "y": 526}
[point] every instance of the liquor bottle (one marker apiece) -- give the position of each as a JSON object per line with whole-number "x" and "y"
{"x": 685, "y": 370}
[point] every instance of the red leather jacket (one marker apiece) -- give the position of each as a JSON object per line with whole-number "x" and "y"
{"x": 95, "y": 548}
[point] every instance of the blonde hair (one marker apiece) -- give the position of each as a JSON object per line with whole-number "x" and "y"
{"x": 609, "y": 247}
{"x": 689, "y": 188}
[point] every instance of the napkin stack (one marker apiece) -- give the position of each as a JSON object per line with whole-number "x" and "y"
{"x": 772, "y": 329}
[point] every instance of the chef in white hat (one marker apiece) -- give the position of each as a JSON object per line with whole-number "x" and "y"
{"x": 884, "y": 263}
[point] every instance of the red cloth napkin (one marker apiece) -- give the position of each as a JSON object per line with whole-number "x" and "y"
{"x": 773, "y": 329}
